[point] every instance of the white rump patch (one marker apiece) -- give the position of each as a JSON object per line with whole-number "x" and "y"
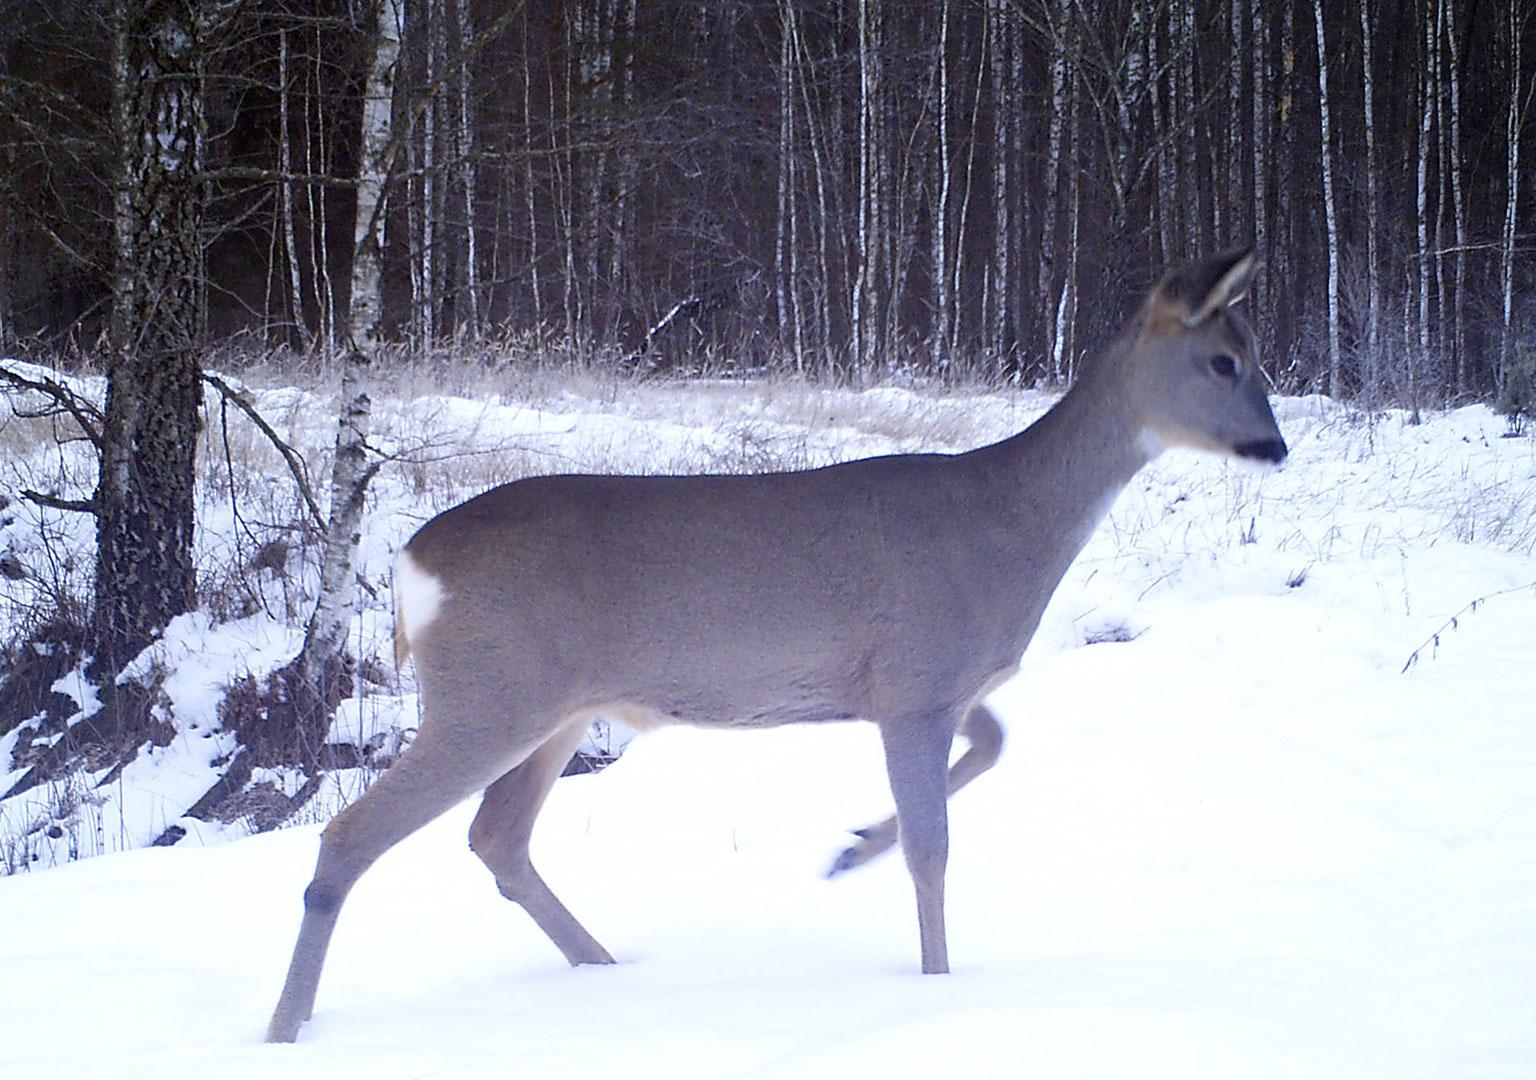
{"x": 418, "y": 594}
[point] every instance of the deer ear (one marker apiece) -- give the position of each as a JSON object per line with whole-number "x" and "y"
{"x": 1201, "y": 289}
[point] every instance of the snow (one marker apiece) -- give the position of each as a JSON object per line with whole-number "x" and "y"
{"x": 1229, "y": 835}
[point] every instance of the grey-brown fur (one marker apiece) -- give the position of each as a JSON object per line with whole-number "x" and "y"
{"x": 898, "y": 590}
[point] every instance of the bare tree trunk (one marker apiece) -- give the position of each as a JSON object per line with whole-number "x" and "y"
{"x": 1259, "y": 35}
{"x": 529, "y": 186}
{"x": 322, "y": 666}
{"x": 1190, "y": 194}
{"x": 1444, "y": 315}
{"x": 786, "y": 89}
{"x": 997, "y": 318}
{"x": 1372, "y": 242}
{"x": 863, "y": 313}
{"x": 319, "y": 234}
{"x": 940, "y": 254}
{"x": 1060, "y": 14}
{"x": 620, "y": 55}
{"x": 430, "y": 28}
{"x": 1420, "y": 361}
{"x": 1284, "y": 259}
{"x": 1230, "y": 194}
{"x": 965, "y": 200}
{"x": 1163, "y": 126}
{"x": 466, "y": 149}
{"x": 144, "y": 494}
{"x": 566, "y": 183}
{"x": 1335, "y": 361}
{"x": 1063, "y": 360}
{"x": 1458, "y": 200}
{"x": 295, "y": 305}
{"x": 1511, "y": 197}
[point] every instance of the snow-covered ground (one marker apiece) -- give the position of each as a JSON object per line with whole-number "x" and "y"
{"x": 1230, "y": 836}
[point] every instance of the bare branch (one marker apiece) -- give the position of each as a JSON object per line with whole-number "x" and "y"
{"x": 53, "y": 502}
{"x": 295, "y": 463}
{"x": 85, "y": 413}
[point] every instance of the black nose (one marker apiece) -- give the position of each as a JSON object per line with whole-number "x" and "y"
{"x": 1270, "y": 450}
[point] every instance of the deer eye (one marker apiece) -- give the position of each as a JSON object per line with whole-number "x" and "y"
{"x": 1224, "y": 366}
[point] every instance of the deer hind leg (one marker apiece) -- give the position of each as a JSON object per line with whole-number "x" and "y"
{"x": 437, "y": 772}
{"x": 500, "y": 834}
{"x": 984, "y": 739}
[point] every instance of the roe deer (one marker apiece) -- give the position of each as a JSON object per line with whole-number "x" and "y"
{"x": 899, "y": 590}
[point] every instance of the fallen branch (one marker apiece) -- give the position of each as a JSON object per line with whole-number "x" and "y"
{"x": 634, "y": 358}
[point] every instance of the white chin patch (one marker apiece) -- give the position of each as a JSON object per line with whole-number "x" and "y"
{"x": 418, "y": 594}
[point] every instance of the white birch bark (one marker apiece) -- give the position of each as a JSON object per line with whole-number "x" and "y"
{"x": 1330, "y": 212}
{"x": 620, "y": 56}
{"x": 319, "y": 219}
{"x": 1188, "y": 150}
{"x": 431, "y": 181}
{"x": 324, "y": 650}
{"x": 965, "y": 200}
{"x": 529, "y": 185}
{"x": 786, "y": 89}
{"x": 1062, "y": 362}
{"x": 1458, "y": 197}
{"x": 939, "y": 256}
{"x": 861, "y": 315}
{"x": 1511, "y": 196}
{"x": 285, "y": 164}
{"x": 466, "y": 154}
{"x": 819, "y": 162}
{"x": 1259, "y": 40}
{"x": 1425, "y": 257}
{"x": 1002, "y": 232}
{"x": 1372, "y": 223}
{"x": 1059, "y": 12}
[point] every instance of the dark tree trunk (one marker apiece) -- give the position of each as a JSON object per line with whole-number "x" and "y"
{"x": 143, "y": 501}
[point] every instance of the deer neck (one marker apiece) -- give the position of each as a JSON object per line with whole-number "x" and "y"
{"x": 1062, "y": 473}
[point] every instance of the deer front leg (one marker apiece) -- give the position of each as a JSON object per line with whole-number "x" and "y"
{"x": 984, "y": 736}
{"x": 917, "y": 758}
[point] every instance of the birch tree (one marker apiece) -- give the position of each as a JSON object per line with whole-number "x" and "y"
{"x": 1330, "y": 211}
{"x": 143, "y": 502}
{"x": 1512, "y": 121}
{"x": 1259, "y": 40}
{"x": 1458, "y": 197}
{"x": 864, "y": 319}
{"x": 1425, "y": 257}
{"x": 321, "y": 674}
{"x": 1372, "y": 196}
{"x": 997, "y": 34}
{"x": 1059, "y": 16}
{"x": 939, "y": 255}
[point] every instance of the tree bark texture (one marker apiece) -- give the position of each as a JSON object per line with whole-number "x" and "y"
{"x": 144, "y": 495}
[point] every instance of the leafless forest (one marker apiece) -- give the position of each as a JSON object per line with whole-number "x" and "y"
{"x": 827, "y": 185}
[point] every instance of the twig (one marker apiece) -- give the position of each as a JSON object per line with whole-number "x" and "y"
{"x": 290, "y": 456}
{"x": 1433, "y": 641}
